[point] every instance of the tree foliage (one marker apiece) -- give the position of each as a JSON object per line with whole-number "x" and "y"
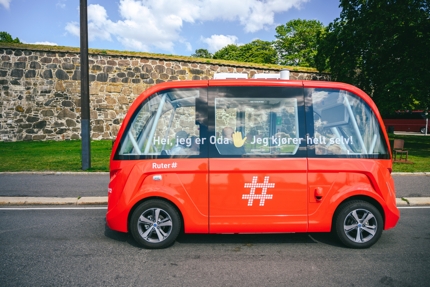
{"x": 7, "y": 38}
{"x": 229, "y": 52}
{"x": 383, "y": 47}
{"x": 257, "y": 51}
{"x": 296, "y": 42}
{"x": 202, "y": 53}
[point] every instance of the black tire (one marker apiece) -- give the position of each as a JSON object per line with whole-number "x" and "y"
{"x": 358, "y": 224}
{"x": 423, "y": 130}
{"x": 155, "y": 224}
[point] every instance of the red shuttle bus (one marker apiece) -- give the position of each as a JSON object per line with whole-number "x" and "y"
{"x": 252, "y": 156}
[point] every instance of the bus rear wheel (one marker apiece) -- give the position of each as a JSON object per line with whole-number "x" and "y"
{"x": 358, "y": 224}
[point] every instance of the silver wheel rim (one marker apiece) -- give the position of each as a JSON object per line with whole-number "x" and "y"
{"x": 360, "y": 225}
{"x": 154, "y": 225}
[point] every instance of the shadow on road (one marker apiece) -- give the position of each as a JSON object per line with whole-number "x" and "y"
{"x": 242, "y": 239}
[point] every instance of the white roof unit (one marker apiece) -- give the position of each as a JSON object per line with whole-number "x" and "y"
{"x": 266, "y": 76}
{"x": 283, "y": 75}
{"x": 230, "y": 76}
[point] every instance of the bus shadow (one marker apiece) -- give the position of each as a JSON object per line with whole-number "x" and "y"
{"x": 288, "y": 238}
{"x": 242, "y": 239}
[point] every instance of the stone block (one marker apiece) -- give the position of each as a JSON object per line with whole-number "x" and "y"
{"x": 47, "y": 74}
{"x": 46, "y": 60}
{"x": 30, "y": 74}
{"x": 39, "y": 125}
{"x": 110, "y": 100}
{"x": 96, "y": 68}
{"x": 70, "y": 123}
{"x": 39, "y": 137}
{"x": 97, "y": 129}
{"x": 17, "y": 73}
{"x": 66, "y": 113}
{"x": 6, "y": 65}
{"x": 67, "y": 104}
{"x": 32, "y": 119}
{"x": 159, "y": 69}
{"x": 68, "y": 66}
{"x": 114, "y": 88}
{"x": 114, "y": 80}
{"x": 108, "y": 69}
{"x": 61, "y": 75}
{"x": 95, "y": 88}
{"x": 47, "y": 113}
{"x": 123, "y": 63}
{"x": 147, "y": 68}
{"x": 35, "y": 65}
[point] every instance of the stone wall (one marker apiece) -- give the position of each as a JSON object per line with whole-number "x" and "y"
{"x": 40, "y": 87}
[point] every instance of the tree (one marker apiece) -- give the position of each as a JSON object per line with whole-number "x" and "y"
{"x": 229, "y": 52}
{"x": 202, "y": 53}
{"x": 257, "y": 51}
{"x": 296, "y": 42}
{"x": 7, "y": 38}
{"x": 381, "y": 47}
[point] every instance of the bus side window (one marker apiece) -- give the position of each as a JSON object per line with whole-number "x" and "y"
{"x": 344, "y": 125}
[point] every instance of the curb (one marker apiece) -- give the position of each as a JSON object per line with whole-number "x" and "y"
{"x": 89, "y": 200}
{"x": 413, "y": 201}
{"x": 102, "y": 200}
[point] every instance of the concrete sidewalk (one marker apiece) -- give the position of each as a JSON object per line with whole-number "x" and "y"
{"x": 102, "y": 200}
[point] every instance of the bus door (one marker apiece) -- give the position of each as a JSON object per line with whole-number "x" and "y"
{"x": 257, "y": 160}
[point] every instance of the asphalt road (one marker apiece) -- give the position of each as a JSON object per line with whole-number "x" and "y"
{"x": 54, "y": 184}
{"x": 58, "y": 247}
{"x": 88, "y": 184}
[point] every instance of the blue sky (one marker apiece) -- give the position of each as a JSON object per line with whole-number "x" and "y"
{"x": 176, "y": 27}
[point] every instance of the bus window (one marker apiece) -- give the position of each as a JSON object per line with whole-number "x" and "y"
{"x": 267, "y": 126}
{"x": 345, "y": 125}
{"x": 165, "y": 125}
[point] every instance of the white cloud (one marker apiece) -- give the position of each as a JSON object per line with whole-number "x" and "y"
{"x": 73, "y": 28}
{"x": 61, "y": 4}
{"x": 216, "y": 42}
{"x": 98, "y": 24}
{"x": 45, "y": 43}
{"x": 5, "y": 3}
{"x": 147, "y": 23}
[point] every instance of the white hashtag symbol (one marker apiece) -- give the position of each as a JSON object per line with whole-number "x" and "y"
{"x": 253, "y": 185}
{"x": 174, "y": 165}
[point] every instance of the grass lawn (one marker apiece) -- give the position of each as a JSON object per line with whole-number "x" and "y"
{"x": 66, "y": 155}
{"x": 52, "y": 156}
{"x": 418, "y": 148}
